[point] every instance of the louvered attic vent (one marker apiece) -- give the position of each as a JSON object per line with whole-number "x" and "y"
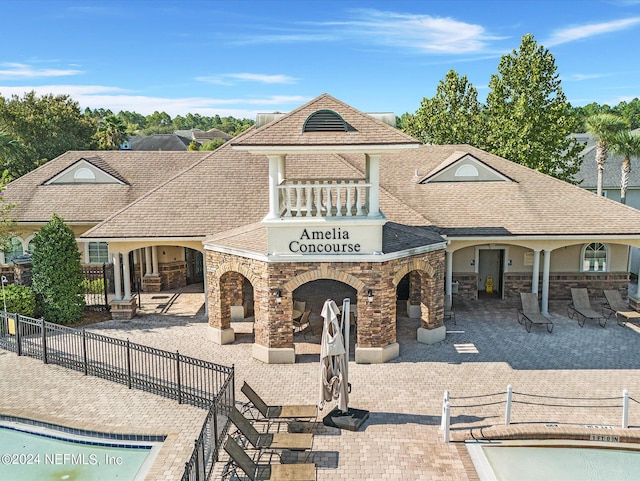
{"x": 325, "y": 121}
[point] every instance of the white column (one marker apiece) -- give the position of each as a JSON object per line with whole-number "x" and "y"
{"x": 447, "y": 275}
{"x": 155, "y": 271}
{"x": 206, "y": 285}
{"x": 373, "y": 178}
{"x": 147, "y": 261}
{"x": 535, "y": 276}
{"x": 274, "y": 176}
{"x": 126, "y": 276}
{"x": 116, "y": 276}
{"x": 545, "y": 282}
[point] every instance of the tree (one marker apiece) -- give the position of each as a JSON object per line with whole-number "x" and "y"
{"x": 213, "y": 144}
{"x": 627, "y": 144}
{"x": 112, "y": 132}
{"x": 528, "y": 117}
{"x": 603, "y": 127}
{"x": 57, "y": 273}
{"x": 11, "y": 154}
{"x": 451, "y": 117}
{"x": 46, "y": 126}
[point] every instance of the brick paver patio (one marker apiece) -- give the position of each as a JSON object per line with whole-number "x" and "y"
{"x": 484, "y": 352}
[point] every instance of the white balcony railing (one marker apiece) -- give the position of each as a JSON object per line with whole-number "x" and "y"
{"x": 324, "y": 198}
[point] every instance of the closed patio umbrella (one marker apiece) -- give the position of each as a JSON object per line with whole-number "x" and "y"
{"x": 333, "y": 361}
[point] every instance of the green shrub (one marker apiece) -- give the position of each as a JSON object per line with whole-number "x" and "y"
{"x": 57, "y": 273}
{"x": 19, "y": 299}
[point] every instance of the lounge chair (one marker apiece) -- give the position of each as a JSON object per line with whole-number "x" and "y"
{"x": 264, "y": 472}
{"x": 300, "y": 324}
{"x": 530, "y": 313}
{"x": 277, "y": 413}
{"x": 290, "y": 441}
{"x": 581, "y": 307}
{"x": 616, "y": 305}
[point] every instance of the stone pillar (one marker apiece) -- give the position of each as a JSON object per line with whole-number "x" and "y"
{"x": 432, "y": 327}
{"x": 415, "y": 294}
{"x": 152, "y": 282}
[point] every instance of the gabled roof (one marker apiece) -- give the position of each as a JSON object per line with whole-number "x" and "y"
{"x": 287, "y": 130}
{"x": 96, "y": 165}
{"x": 91, "y": 203}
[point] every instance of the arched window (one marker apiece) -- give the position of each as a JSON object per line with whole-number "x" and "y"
{"x": 84, "y": 174}
{"x": 13, "y": 250}
{"x": 594, "y": 257}
{"x": 467, "y": 171}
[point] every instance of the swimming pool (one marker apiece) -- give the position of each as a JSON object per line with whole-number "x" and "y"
{"x": 44, "y": 452}
{"x": 555, "y": 460}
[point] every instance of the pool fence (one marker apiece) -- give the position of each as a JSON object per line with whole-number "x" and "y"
{"x": 169, "y": 374}
{"x": 470, "y": 404}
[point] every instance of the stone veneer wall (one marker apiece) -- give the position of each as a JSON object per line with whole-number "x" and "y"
{"x": 560, "y": 284}
{"x": 376, "y": 321}
{"x": 173, "y": 274}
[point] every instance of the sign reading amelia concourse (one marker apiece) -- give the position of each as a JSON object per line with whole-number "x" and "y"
{"x": 322, "y": 240}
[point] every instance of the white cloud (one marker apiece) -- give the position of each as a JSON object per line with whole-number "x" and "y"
{"x": 420, "y": 32}
{"x": 116, "y": 99}
{"x": 20, "y": 70}
{"x": 228, "y": 78}
{"x": 578, "y": 77}
{"x": 585, "y": 31}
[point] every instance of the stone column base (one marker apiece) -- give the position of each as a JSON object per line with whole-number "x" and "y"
{"x": 222, "y": 336}
{"x": 377, "y": 355}
{"x": 124, "y": 308}
{"x": 152, "y": 283}
{"x": 431, "y": 336}
{"x": 274, "y": 355}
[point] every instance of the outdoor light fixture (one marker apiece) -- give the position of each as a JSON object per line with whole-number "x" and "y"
{"x": 473, "y": 262}
{"x": 279, "y": 296}
{"x": 370, "y": 295}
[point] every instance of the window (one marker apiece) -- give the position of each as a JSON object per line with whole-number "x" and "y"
{"x": 98, "y": 253}
{"x": 467, "y": 171}
{"x": 594, "y": 257}
{"x": 84, "y": 174}
{"x": 13, "y": 250}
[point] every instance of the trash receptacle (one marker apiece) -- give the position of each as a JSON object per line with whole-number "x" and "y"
{"x": 454, "y": 287}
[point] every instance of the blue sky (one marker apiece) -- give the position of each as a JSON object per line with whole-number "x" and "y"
{"x": 240, "y": 57}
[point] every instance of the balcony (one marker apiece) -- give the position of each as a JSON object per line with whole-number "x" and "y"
{"x": 328, "y": 198}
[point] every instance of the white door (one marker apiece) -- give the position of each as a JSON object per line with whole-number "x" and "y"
{"x": 489, "y": 265}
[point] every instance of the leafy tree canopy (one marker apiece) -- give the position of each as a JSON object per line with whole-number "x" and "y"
{"x": 45, "y": 127}
{"x": 453, "y": 116}
{"x": 528, "y": 117}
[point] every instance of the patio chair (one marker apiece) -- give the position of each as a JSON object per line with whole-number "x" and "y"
{"x": 300, "y": 324}
{"x": 449, "y": 311}
{"x": 530, "y": 313}
{"x": 268, "y": 413}
{"x": 274, "y": 441}
{"x": 616, "y": 305}
{"x": 264, "y": 472}
{"x": 299, "y": 305}
{"x": 581, "y": 308}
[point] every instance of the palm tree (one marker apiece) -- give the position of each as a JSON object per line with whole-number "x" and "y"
{"x": 627, "y": 144}
{"x": 603, "y": 127}
{"x": 112, "y": 132}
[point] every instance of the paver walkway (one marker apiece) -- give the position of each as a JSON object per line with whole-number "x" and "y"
{"x": 484, "y": 352}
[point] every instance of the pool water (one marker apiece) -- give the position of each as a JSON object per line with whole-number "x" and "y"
{"x": 32, "y": 453}
{"x": 555, "y": 461}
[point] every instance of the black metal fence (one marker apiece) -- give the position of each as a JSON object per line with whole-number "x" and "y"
{"x": 169, "y": 374}
{"x": 98, "y": 282}
{"x": 215, "y": 428}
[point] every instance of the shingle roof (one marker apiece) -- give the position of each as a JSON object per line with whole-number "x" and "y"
{"x": 163, "y": 142}
{"x": 92, "y": 203}
{"x": 287, "y": 130}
